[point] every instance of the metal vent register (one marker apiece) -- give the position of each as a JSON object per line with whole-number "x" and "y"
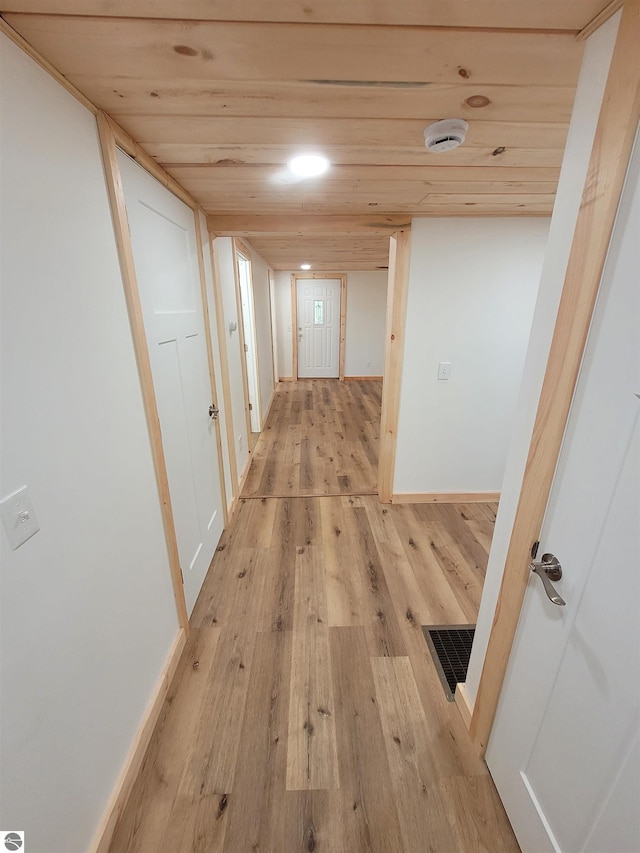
{"x": 450, "y": 647}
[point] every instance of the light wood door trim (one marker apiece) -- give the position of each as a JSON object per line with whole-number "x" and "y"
{"x": 342, "y": 277}
{"x": 243, "y": 352}
{"x": 613, "y": 142}
{"x": 224, "y": 367}
{"x": 212, "y": 374}
{"x": 397, "y": 293}
{"x": 136, "y": 320}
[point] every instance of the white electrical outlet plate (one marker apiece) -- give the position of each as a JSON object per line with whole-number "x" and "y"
{"x": 19, "y": 517}
{"x": 444, "y": 370}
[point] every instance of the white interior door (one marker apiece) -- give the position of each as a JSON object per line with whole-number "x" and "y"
{"x": 250, "y": 346}
{"x": 318, "y": 307}
{"x": 165, "y": 254}
{"x": 564, "y": 751}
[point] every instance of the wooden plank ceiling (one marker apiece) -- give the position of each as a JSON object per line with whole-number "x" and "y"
{"x": 224, "y": 92}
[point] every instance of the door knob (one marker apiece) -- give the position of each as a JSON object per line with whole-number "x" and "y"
{"x": 548, "y": 570}
{"x": 214, "y": 411}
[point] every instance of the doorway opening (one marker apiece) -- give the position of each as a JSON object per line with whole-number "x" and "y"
{"x": 249, "y": 343}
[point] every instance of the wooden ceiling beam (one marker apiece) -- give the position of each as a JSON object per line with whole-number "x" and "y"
{"x": 249, "y": 226}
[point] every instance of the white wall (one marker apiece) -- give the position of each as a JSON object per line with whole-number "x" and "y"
{"x": 366, "y": 314}
{"x": 597, "y": 58}
{"x": 282, "y": 288}
{"x": 213, "y": 332}
{"x": 472, "y": 291}
{"x": 364, "y": 332}
{"x": 87, "y": 609}
{"x": 226, "y": 264}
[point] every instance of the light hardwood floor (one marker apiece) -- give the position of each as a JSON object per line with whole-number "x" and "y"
{"x": 306, "y": 714}
{"x": 321, "y": 438}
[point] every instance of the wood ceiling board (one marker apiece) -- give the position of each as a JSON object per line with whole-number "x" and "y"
{"x": 541, "y": 14}
{"x": 237, "y": 51}
{"x": 169, "y": 154}
{"x": 210, "y": 173}
{"x": 311, "y": 133}
{"x": 123, "y": 96}
{"x": 252, "y": 225}
{"x": 389, "y": 188}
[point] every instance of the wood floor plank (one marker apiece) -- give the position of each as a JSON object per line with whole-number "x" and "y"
{"x": 311, "y": 753}
{"x": 478, "y": 818}
{"x": 261, "y": 770}
{"x": 210, "y": 761}
{"x": 406, "y": 594}
{"x": 423, "y": 819}
{"x": 416, "y": 538}
{"x": 342, "y": 599}
{"x": 369, "y": 818}
{"x": 378, "y": 614}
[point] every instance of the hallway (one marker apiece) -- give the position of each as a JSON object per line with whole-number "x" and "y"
{"x": 306, "y": 714}
{"x": 321, "y": 438}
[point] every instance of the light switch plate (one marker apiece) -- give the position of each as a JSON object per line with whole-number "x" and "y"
{"x": 444, "y": 370}
{"x": 19, "y": 517}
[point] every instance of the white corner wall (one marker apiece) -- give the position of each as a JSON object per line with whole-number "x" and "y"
{"x": 87, "y": 610}
{"x": 364, "y": 332}
{"x": 282, "y": 288}
{"x": 593, "y": 75}
{"x": 472, "y": 291}
{"x": 366, "y": 315}
{"x": 226, "y": 266}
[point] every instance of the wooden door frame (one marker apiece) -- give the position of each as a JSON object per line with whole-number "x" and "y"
{"x": 613, "y": 142}
{"x": 397, "y": 294}
{"x": 241, "y": 249}
{"x": 212, "y": 376}
{"x": 110, "y": 139}
{"x": 342, "y": 277}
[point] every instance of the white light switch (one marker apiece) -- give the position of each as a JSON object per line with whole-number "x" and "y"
{"x": 19, "y": 517}
{"x": 444, "y": 370}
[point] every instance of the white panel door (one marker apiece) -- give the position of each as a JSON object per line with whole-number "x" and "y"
{"x": 318, "y": 328}
{"x": 165, "y": 253}
{"x": 564, "y": 750}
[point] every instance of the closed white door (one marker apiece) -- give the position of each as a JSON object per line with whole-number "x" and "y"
{"x": 565, "y": 751}
{"x": 165, "y": 253}
{"x": 318, "y": 306}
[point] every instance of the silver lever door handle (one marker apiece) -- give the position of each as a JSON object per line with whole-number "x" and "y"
{"x": 549, "y": 569}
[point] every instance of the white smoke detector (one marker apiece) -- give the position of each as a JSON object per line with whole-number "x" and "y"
{"x": 445, "y": 135}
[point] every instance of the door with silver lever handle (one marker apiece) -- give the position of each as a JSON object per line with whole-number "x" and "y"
{"x": 549, "y": 569}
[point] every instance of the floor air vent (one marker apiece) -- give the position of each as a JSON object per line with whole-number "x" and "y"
{"x": 450, "y": 647}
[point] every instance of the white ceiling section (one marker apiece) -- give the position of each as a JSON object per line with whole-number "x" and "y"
{"x": 223, "y": 93}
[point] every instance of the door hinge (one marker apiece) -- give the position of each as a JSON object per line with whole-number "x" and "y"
{"x": 181, "y": 577}
{"x": 246, "y": 347}
{"x": 250, "y": 407}
{"x": 534, "y": 550}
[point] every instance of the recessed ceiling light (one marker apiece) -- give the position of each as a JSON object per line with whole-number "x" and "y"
{"x": 305, "y": 266}
{"x": 308, "y": 165}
